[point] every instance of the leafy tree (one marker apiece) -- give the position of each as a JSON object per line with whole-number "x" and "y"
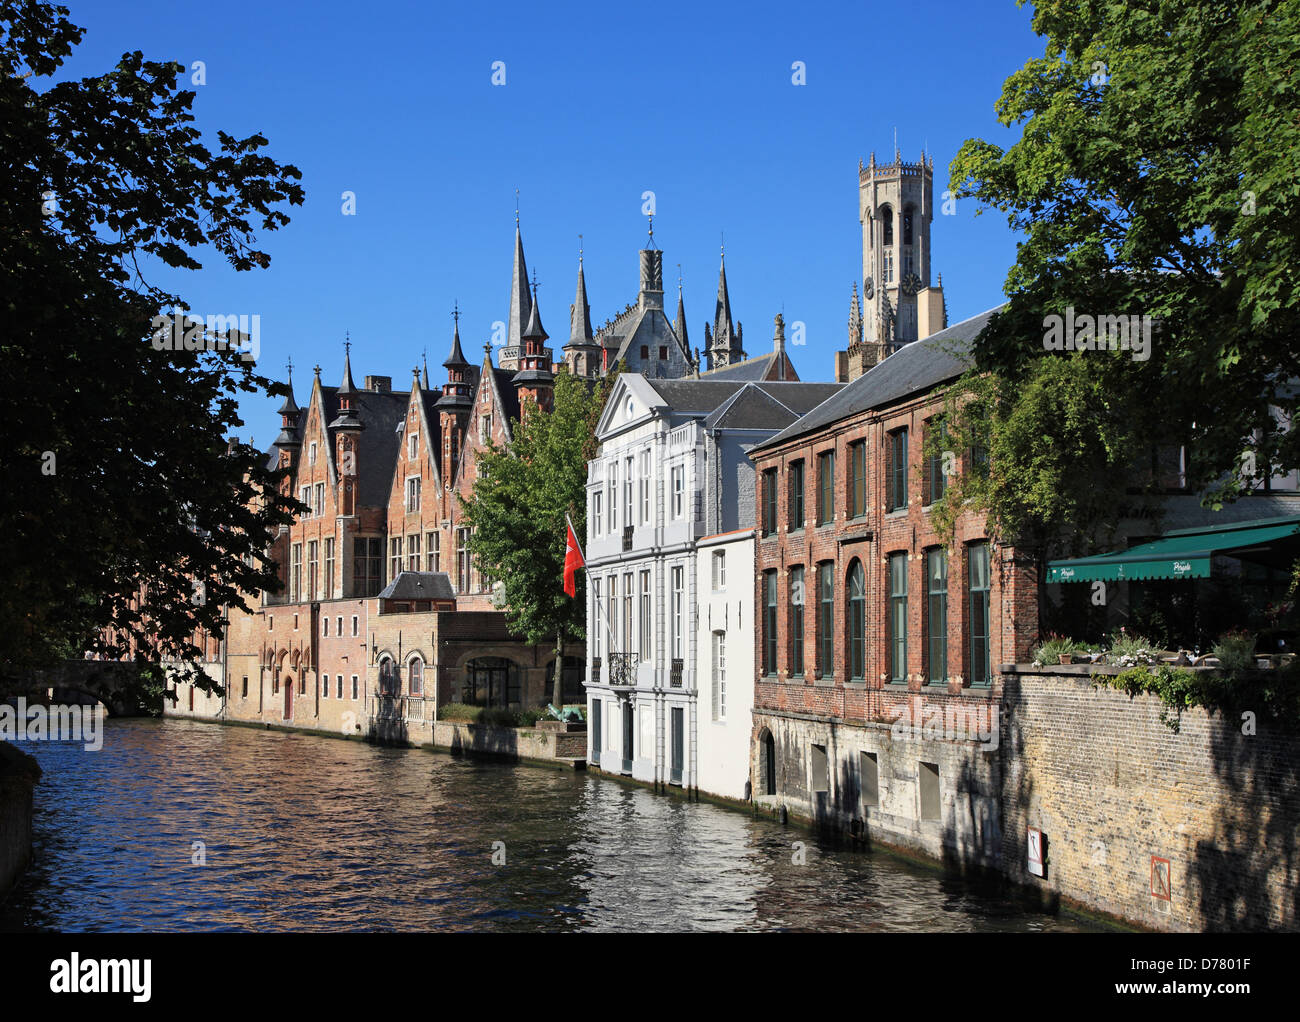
{"x": 1157, "y": 173}
{"x": 517, "y": 513}
{"x": 118, "y": 482}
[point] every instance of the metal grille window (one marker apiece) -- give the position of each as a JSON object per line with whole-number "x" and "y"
{"x": 898, "y": 469}
{"x": 825, "y": 620}
{"x": 936, "y": 573}
{"x": 980, "y": 667}
{"x": 825, "y": 487}
{"x": 857, "y": 605}
{"x": 795, "y": 497}
{"x": 897, "y": 617}
{"x": 719, "y": 675}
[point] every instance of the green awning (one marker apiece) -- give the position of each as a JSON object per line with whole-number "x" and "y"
{"x": 1186, "y": 553}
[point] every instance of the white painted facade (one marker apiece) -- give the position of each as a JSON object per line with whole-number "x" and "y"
{"x": 725, "y": 643}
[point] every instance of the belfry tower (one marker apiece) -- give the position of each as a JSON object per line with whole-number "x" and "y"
{"x": 895, "y": 208}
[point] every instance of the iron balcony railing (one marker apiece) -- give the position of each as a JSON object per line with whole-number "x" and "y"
{"x": 675, "y": 674}
{"x": 627, "y": 537}
{"x": 595, "y": 670}
{"x": 622, "y": 670}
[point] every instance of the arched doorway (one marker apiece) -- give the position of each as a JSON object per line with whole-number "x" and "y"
{"x": 766, "y": 763}
{"x": 491, "y": 681}
{"x": 288, "y": 697}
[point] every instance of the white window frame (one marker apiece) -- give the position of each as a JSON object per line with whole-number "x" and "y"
{"x": 719, "y": 676}
{"x": 719, "y": 563}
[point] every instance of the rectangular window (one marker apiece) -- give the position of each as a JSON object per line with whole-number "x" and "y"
{"x": 432, "y": 558}
{"x": 929, "y": 785}
{"x": 795, "y": 496}
{"x": 678, "y": 480}
{"x": 978, "y": 575}
{"x": 597, "y": 625}
{"x": 645, "y": 487}
{"x": 296, "y": 577}
{"x": 769, "y": 502}
{"x": 647, "y": 619}
{"x": 325, "y": 686}
{"x": 627, "y": 612}
{"x": 413, "y": 552}
{"x": 897, "y": 617}
{"x": 325, "y": 621}
{"x": 870, "y": 781}
{"x": 338, "y": 626}
{"x": 320, "y": 499}
{"x": 311, "y": 454}
{"x": 857, "y": 479}
{"x": 306, "y": 499}
{"x": 328, "y": 578}
{"x": 340, "y": 688}
{"x": 612, "y": 617}
{"x": 936, "y": 573}
{"x": 413, "y": 494}
{"x": 243, "y": 689}
{"x": 462, "y": 561}
{"x": 719, "y": 571}
{"x": 627, "y": 490}
{"x": 678, "y": 608}
{"x": 485, "y": 429}
{"x": 597, "y": 512}
{"x": 825, "y": 487}
{"x": 394, "y": 557}
{"x": 613, "y": 496}
{"x": 719, "y": 675}
{"x": 412, "y": 446}
{"x": 797, "y": 597}
{"x": 295, "y": 628}
{"x": 820, "y": 778}
{"x": 936, "y": 484}
{"x": 897, "y": 497}
{"x": 354, "y": 686}
{"x": 769, "y": 622}
{"x": 825, "y": 620}
{"x": 312, "y": 569}
{"x": 367, "y": 566}
{"x": 354, "y": 624}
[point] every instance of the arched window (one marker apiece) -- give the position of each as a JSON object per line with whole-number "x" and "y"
{"x": 415, "y": 674}
{"x": 388, "y": 679}
{"x": 907, "y": 225}
{"x": 857, "y": 623}
{"x": 887, "y": 221}
{"x": 766, "y": 763}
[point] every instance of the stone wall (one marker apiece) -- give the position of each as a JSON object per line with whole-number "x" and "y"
{"x": 1111, "y": 787}
{"x": 18, "y": 775}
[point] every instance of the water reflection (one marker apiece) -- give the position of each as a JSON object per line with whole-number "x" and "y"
{"x": 308, "y": 833}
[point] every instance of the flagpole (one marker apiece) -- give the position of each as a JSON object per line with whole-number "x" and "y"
{"x": 600, "y": 606}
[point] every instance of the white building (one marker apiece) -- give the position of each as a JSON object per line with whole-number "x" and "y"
{"x": 671, "y": 476}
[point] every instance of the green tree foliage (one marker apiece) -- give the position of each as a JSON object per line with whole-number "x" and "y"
{"x": 1157, "y": 173}
{"x": 517, "y": 513}
{"x": 118, "y": 480}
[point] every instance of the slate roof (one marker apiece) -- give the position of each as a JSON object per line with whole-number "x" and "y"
{"x": 419, "y": 585}
{"x": 914, "y": 368}
{"x": 732, "y": 404}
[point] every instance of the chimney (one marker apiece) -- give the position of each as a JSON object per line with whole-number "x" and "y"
{"x": 841, "y": 367}
{"x": 930, "y": 312}
{"x": 379, "y": 384}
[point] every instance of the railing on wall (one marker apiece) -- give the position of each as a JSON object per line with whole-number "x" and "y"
{"x": 622, "y": 669}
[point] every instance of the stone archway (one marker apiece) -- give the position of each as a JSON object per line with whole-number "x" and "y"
{"x": 766, "y": 763}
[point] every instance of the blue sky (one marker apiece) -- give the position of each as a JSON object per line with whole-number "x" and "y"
{"x": 395, "y": 102}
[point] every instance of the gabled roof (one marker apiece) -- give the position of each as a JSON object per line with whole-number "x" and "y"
{"x": 419, "y": 585}
{"x": 912, "y": 369}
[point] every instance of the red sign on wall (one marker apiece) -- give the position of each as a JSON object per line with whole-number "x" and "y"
{"x": 1161, "y": 879}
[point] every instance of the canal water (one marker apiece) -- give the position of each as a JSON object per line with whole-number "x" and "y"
{"x": 305, "y": 833}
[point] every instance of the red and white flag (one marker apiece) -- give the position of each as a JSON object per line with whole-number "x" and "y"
{"x": 572, "y": 561}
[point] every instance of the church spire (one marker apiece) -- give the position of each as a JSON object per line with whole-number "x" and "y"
{"x": 680, "y": 325}
{"x": 724, "y": 346}
{"x": 855, "y": 318}
{"x": 520, "y": 300}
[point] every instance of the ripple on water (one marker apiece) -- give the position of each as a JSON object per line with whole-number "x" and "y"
{"x": 305, "y": 833}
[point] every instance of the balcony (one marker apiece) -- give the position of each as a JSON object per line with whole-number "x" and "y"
{"x": 622, "y": 670}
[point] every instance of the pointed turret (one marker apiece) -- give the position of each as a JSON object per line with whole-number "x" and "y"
{"x": 424, "y": 383}
{"x": 520, "y": 302}
{"x": 347, "y": 395}
{"x": 534, "y": 378}
{"x": 723, "y": 347}
{"x": 679, "y": 326}
{"x": 289, "y": 412}
{"x": 855, "y": 318}
{"x": 456, "y": 402}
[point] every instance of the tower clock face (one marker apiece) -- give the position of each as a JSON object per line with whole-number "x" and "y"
{"x": 868, "y": 289}
{"x": 911, "y": 283}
